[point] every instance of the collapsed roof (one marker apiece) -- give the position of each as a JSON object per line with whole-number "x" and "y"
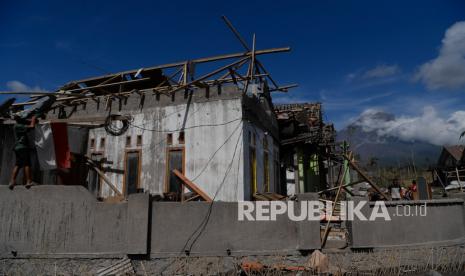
{"x": 244, "y": 69}
{"x": 303, "y": 123}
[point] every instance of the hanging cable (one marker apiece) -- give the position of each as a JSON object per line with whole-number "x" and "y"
{"x": 115, "y": 125}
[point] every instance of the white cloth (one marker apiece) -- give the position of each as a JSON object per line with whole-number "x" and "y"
{"x": 45, "y": 147}
{"x": 395, "y": 193}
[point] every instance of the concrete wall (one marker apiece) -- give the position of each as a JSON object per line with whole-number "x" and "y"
{"x": 174, "y": 223}
{"x": 67, "y": 220}
{"x": 444, "y": 223}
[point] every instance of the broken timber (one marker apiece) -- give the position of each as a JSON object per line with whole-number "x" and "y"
{"x": 367, "y": 179}
{"x": 103, "y": 176}
{"x": 191, "y": 186}
{"x": 156, "y": 80}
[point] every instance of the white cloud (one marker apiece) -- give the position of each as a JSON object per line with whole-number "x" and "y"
{"x": 381, "y": 71}
{"x": 448, "y": 69}
{"x": 378, "y": 73}
{"x": 427, "y": 127}
{"x": 18, "y": 86}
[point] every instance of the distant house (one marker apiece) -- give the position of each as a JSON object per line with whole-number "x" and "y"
{"x": 450, "y": 157}
{"x": 450, "y": 163}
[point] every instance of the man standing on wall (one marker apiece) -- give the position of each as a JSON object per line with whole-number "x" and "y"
{"x": 22, "y": 150}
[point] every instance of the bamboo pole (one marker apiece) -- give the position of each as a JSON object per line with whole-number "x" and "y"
{"x": 325, "y": 235}
{"x": 458, "y": 179}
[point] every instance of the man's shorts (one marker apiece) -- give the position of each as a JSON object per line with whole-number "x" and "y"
{"x": 23, "y": 158}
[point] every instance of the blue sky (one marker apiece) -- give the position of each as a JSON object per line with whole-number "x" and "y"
{"x": 350, "y": 55}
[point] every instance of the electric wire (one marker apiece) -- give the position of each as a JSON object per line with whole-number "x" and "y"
{"x": 205, "y": 221}
{"x": 210, "y": 207}
{"x": 185, "y": 128}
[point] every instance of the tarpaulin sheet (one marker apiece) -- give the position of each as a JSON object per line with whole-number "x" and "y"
{"x": 45, "y": 147}
{"x": 62, "y": 152}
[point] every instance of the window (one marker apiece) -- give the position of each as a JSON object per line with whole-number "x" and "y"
{"x": 277, "y": 179}
{"x": 181, "y": 137}
{"x": 128, "y": 141}
{"x": 253, "y": 171}
{"x": 277, "y": 169}
{"x": 169, "y": 139}
{"x": 93, "y": 182}
{"x": 175, "y": 161}
{"x": 139, "y": 140}
{"x": 266, "y": 170}
{"x": 266, "y": 165}
{"x": 92, "y": 143}
{"x": 132, "y": 172}
{"x": 102, "y": 143}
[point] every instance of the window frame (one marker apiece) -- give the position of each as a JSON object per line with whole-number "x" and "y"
{"x": 139, "y": 165}
{"x": 167, "y": 162}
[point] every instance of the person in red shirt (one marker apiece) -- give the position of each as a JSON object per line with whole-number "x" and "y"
{"x": 411, "y": 190}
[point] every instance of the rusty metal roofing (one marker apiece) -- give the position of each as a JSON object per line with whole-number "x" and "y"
{"x": 455, "y": 151}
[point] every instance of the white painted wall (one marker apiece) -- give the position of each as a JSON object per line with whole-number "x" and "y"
{"x": 200, "y": 145}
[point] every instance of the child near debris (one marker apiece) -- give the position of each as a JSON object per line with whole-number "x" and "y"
{"x": 395, "y": 190}
{"x": 22, "y": 150}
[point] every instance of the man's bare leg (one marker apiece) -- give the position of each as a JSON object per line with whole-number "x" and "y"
{"x": 27, "y": 171}
{"x": 14, "y": 174}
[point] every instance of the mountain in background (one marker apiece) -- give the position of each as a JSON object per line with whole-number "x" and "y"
{"x": 387, "y": 150}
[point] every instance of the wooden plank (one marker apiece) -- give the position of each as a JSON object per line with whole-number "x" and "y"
{"x": 104, "y": 177}
{"x": 199, "y": 60}
{"x": 191, "y": 186}
{"x": 106, "y": 85}
{"x": 367, "y": 179}
{"x": 192, "y": 198}
{"x": 345, "y": 185}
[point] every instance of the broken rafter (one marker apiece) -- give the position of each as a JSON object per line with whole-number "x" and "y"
{"x": 196, "y": 61}
{"x": 106, "y": 85}
{"x": 284, "y": 88}
{"x": 68, "y": 92}
{"x": 246, "y": 47}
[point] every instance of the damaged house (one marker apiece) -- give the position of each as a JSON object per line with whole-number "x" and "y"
{"x": 167, "y": 131}
{"x": 306, "y": 144}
